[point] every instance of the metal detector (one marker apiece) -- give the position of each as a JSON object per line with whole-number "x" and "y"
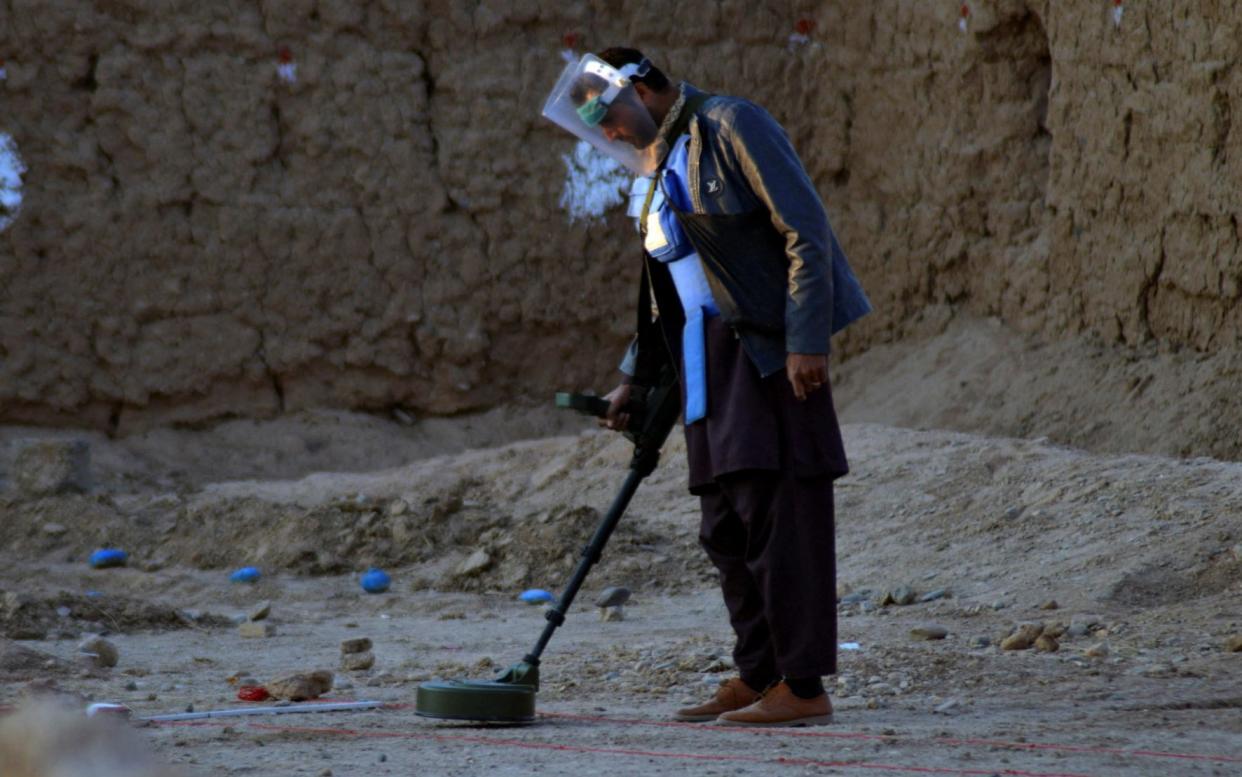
{"x": 510, "y": 697}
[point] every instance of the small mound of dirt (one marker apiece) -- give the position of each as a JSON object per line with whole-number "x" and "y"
{"x": 453, "y": 529}
{"x": 1157, "y": 584}
{"x": 28, "y": 617}
{"x": 21, "y": 663}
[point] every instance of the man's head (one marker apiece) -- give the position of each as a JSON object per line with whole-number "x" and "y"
{"x": 651, "y": 79}
{"x": 632, "y": 115}
{"x": 618, "y": 110}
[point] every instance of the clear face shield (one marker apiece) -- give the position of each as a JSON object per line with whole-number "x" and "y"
{"x": 597, "y": 102}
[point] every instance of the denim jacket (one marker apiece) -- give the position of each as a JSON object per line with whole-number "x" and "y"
{"x": 742, "y": 166}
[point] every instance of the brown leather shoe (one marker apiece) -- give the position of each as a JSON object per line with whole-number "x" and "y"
{"x": 780, "y": 707}
{"x": 733, "y": 694}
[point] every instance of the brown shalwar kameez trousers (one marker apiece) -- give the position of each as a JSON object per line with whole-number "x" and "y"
{"x": 763, "y": 462}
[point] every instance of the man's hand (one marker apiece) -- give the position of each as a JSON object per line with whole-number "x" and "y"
{"x": 618, "y": 398}
{"x": 806, "y": 372}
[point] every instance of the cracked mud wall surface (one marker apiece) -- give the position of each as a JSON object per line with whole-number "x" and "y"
{"x": 200, "y": 239}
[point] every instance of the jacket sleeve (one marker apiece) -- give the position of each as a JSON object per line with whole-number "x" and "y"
{"x": 629, "y": 363}
{"x": 767, "y": 160}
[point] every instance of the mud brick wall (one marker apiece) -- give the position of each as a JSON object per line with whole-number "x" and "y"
{"x": 199, "y": 238}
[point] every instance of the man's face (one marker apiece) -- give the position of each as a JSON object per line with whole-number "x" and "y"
{"x": 630, "y": 122}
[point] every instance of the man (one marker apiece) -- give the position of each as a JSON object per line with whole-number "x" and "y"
{"x": 750, "y": 283}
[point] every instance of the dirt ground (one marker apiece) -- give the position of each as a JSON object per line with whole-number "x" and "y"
{"x": 1141, "y": 554}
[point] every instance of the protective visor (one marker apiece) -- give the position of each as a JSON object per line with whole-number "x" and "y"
{"x": 591, "y": 96}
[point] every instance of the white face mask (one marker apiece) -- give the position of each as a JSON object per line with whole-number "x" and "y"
{"x": 597, "y": 103}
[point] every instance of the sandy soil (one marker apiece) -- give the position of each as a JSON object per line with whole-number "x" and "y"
{"x": 1142, "y": 554}
{"x": 977, "y": 375}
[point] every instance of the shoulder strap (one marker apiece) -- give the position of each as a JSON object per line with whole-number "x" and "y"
{"x": 691, "y": 106}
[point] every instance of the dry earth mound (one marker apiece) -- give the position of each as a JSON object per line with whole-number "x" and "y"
{"x": 982, "y": 516}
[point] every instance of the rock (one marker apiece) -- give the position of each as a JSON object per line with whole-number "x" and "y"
{"x": 355, "y": 645}
{"x": 943, "y": 709}
{"x": 1051, "y": 604}
{"x": 932, "y": 596}
{"x": 43, "y": 467}
{"x": 611, "y": 603}
{"x": 613, "y": 597}
{"x": 476, "y": 563}
{"x": 54, "y": 529}
{"x": 1077, "y": 630}
{"x": 981, "y": 642}
{"x": 99, "y": 651}
{"x": 1045, "y": 643}
{"x": 256, "y": 629}
{"x": 903, "y": 595}
{"x": 1054, "y": 629}
{"x": 301, "y": 685}
{"x": 929, "y": 631}
{"x": 857, "y": 597}
{"x": 1023, "y": 637}
{"x": 260, "y": 611}
{"x": 1098, "y": 650}
{"x": 357, "y": 662}
{"x": 1234, "y": 644}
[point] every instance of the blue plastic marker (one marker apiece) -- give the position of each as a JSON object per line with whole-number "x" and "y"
{"x": 536, "y": 596}
{"x": 375, "y": 581}
{"x": 108, "y": 557}
{"x": 246, "y": 575}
